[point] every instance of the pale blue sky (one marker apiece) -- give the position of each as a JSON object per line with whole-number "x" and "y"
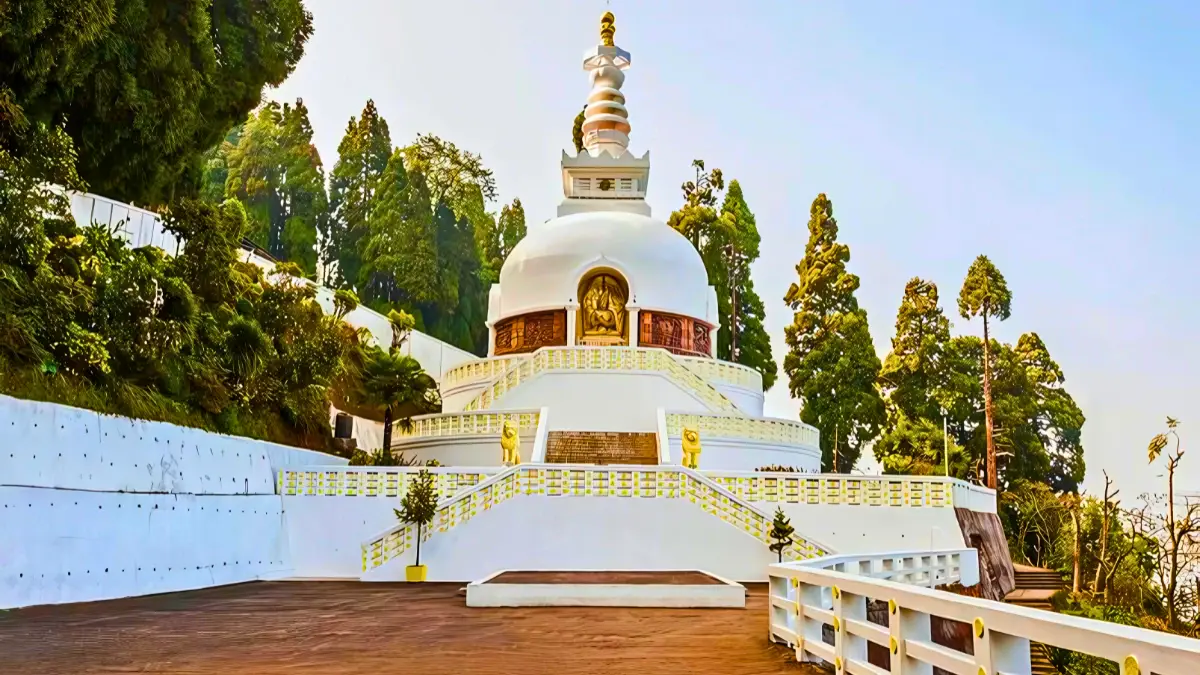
{"x": 1062, "y": 139}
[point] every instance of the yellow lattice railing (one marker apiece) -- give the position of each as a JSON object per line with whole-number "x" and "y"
{"x": 473, "y": 423}
{"x": 588, "y": 481}
{"x": 845, "y": 490}
{"x": 474, "y": 371}
{"x": 748, "y": 428}
{"x": 601, "y": 358}
{"x": 723, "y": 372}
{"x": 370, "y": 481}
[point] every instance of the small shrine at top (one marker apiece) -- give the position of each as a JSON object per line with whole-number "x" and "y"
{"x": 604, "y": 272}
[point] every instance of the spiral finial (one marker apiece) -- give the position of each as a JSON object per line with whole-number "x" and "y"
{"x": 608, "y": 28}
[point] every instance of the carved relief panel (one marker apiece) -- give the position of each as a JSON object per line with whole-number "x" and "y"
{"x": 528, "y": 332}
{"x": 677, "y": 334}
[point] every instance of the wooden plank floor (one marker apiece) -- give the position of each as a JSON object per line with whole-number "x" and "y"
{"x": 335, "y": 628}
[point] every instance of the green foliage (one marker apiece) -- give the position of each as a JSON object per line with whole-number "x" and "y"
{"x": 500, "y": 241}
{"x": 272, "y": 166}
{"x": 363, "y": 156}
{"x": 344, "y": 302}
{"x": 984, "y": 292}
{"x": 144, "y": 92}
{"x": 399, "y": 252}
{"x": 577, "y": 130}
{"x": 832, "y": 366}
{"x": 419, "y": 505}
{"x": 781, "y": 533}
{"x": 913, "y": 375}
{"x": 396, "y": 385}
{"x": 917, "y": 447}
{"x": 727, "y": 241}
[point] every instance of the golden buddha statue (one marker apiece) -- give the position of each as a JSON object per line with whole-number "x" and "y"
{"x": 603, "y": 308}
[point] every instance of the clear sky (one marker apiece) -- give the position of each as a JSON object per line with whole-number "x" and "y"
{"x": 1062, "y": 139}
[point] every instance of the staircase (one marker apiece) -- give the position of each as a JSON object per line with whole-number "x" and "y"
{"x": 601, "y": 447}
{"x": 1035, "y": 586}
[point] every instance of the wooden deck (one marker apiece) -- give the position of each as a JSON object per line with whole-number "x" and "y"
{"x": 335, "y": 628}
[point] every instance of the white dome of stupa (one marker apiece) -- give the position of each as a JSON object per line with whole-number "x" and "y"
{"x": 662, "y": 268}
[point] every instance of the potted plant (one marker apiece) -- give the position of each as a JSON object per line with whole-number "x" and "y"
{"x": 781, "y": 533}
{"x": 418, "y": 507}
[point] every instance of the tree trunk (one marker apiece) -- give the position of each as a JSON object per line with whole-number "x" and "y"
{"x": 733, "y": 322}
{"x": 418, "y": 543}
{"x": 386, "y": 451}
{"x": 992, "y": 478}
{"x": 1173, "y": 570}
{"x": 1075, "y": 572}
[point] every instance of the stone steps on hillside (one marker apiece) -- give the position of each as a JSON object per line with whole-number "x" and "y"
{"x": 1034, "y": 588}
{"x": 601, "y": 447}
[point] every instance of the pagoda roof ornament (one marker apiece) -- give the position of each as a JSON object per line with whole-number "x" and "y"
{"x": 606, "y": 120}
{"x": 608, "y": 27}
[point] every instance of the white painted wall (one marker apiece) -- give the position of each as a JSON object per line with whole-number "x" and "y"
{"x": 457, "y": 398}
{"x": 535, "y": 532}
{"x": 325, "y": 534}
{"x": 735, "y": 454}
{"x": 52, "y": 445}
{"x": 600, "y": 400}
{"x": 747, "y": 400}
{"x": 863, "y": 529}
{"x": 95, "y": 506}
{"x": 76, "y": 545}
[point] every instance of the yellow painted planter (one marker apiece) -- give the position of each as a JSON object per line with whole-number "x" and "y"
{"x": 414, "y": 573}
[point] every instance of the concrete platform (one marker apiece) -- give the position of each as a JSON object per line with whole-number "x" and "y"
{"x": 580, "y": 588}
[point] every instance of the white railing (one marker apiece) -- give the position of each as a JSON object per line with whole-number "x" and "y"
{"x": 804, "y": 599}
{"x": 915, "y": 568}
{"x": 848, "y": 490}
{"x": 482, "y": 370}
{"x": 602, "y": 359}
{"x": 644, "y": 482}
{"x": 723, "y": 372}
{"x": 374, "y": 481}
{"x": 766, "y": 429}
{"x": 474, "y": 423}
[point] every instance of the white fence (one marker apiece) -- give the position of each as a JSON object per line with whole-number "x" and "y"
{"x": 804, "y": 599}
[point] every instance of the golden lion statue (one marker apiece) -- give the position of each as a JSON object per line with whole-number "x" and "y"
{"x": 510, "y": 441}
{"x": 691, "y": 448}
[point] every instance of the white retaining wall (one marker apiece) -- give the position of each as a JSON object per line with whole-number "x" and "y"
{"x": 94, "y": 506}
{"x": 535, "y": 532}
{"x": 862, "y": 528}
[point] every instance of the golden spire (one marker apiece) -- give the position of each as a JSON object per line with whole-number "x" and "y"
{"x": 608, "y": 26}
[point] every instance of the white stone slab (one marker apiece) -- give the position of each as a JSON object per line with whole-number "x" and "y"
{"x": 727, "y": 594}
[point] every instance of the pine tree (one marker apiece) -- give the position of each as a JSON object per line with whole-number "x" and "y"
{"x": 363, "y": 156}
{"x": 832, "y": 366}
{"x": 577, "y": 130}
{"x": 728, "y": 252}
{"x": 781, "y": 533}
{"x": 510, "y": 229}
{"x": 419, "y": 505}
{"x": 913, "y": 373}
{"x": 399, "y": 252}
{"x": 275, "y": 170}
{"x": 985, "y": 293}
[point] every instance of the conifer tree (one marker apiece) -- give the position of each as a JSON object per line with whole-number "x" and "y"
{"x": 577, "y": 130}
{"x": 832, "y": 366}
{"x": 510, "y": 229}
{"x": 275, "y": 170}
{"x": 913, "y": 373}
{"x": 781, "y": 533}
{"x": 399, "y": 252}
{"x": 985, "y": 293}
{"x": 728, "y": 253}
{"x": 362, "y": 158}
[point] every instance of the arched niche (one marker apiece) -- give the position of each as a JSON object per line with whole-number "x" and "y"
{"x": 603, "y": 315}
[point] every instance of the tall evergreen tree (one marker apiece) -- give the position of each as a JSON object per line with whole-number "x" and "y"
{"x": 458, "y": 314}
{"x": 577, "y": 130}
{"x": 510, "y": 229}
{"x": 832, "y": 366}
{"x": 146, "y": 89}
{"x": 399, "y": 252}
{"x": 913, "y": 374}
{"x": 275, "y": 170}
{"x": 985, "y": 293}
{"x": 728, "y": 255}
{"x": 697, "y": 219}
{"x": 362, "y": 158}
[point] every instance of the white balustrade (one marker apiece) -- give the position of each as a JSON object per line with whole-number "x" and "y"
{"x": 805, "y": 598}
{"x": 767, "y": 429}
{"x": 723, "y": 372}
{"x": 374, "y": 481}
{"x": 474, "y": 423}
{"x": 850, "y": 490}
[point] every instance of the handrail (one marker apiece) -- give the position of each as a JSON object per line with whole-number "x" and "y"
{"x": 373, "y": 481}
{"x": 480, "y": 369}
{"x": 725, "y": 372}
{"x": 669, "y": 482}
{"x": 768, "y": 429}
{"x": 803, "y": 599}
{"x": 468, "y": 423}
{"x": 605, "y": 359}
{"x": 850, "y": 490}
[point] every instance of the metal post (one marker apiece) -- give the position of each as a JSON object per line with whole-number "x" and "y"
{"x": 945, "y": 444}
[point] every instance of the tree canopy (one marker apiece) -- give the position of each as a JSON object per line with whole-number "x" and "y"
{"x": 832, "y": 366}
